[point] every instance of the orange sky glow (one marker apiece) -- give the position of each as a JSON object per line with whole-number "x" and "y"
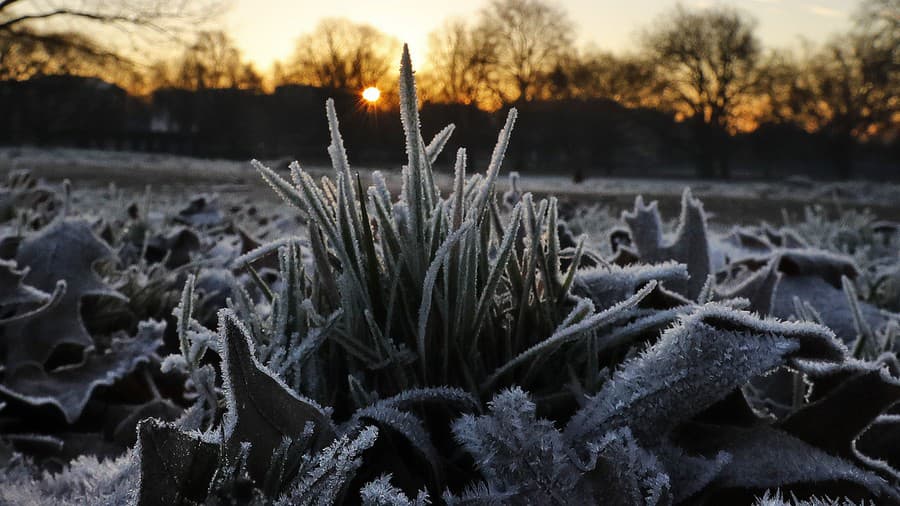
{"x": 266, "y": 30}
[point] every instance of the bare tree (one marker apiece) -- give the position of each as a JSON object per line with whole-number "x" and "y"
{"x": 527, "y": 39}
{"x": 847, "y": 89}
{"x": 780, "y": 71}
{"x": 877, "y": 39}
{"x": 706, "y": 60}
{"x": 628, "y": 79}
{"x": 342, "y": 54}
{"x": 850, "y": 91}
{"x": 213, "y": 61}
{"x": 459, "y": 65}
{"x": 880, "y": 19}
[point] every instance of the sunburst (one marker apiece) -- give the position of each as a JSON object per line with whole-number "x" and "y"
{"x": 371, "y": 94}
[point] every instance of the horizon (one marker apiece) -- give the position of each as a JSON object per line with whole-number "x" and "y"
{"x": 727, "y": 70}
{"x": 269, "y": 34}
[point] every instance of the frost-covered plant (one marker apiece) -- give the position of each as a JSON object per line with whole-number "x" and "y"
{"x": 270, "y": 443}
{"x": 427, "y": 346}
{"x": 49, "y": 355}
{"x": 593, "y": 220}
{"x": 111, "y": 481}
{"x": 431, "y": 289}
{"x": 524, "y": 459}
{"x": 84, "y": 290}
{"x": 392, "y": 298}
{"x": 873, "y": 245}
{"x": 777, "y": 499}
{"x": 688, "y": 245}
{"x": 27, "y": 201}
{"x": 849, "y": 231}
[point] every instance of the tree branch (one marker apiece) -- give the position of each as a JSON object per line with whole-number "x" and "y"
{"x": 104, "y": 18}
{"x": 6, "y": 3}
{"x": 64, "y": 40}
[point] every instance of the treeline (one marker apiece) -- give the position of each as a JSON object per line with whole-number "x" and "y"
{"x": 698, "y": 89}
{"x": 573, "y": 137}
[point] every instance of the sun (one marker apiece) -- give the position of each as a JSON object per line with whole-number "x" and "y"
{"x": 371, "y": 94}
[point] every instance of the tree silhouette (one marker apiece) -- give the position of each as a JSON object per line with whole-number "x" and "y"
{"x": 626, "y": 79}
{"x": 342, "y": 54}
{"x": 459, "y": 66}
{"x": 528, "y": 40}
{"x": 515, "y": 51}
{"x": 213, "y": 61}
{"x": 849, "y": 89}
{"x": 706, "y": 60}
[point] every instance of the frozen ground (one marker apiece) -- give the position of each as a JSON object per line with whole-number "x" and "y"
{"x": 732, "y": 201}
{"x": 143, "y": 241}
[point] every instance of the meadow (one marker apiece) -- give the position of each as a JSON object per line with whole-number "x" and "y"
{"x": 180, "y": 331}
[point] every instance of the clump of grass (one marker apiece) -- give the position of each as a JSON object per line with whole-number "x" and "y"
{"x": 432, "y": 289}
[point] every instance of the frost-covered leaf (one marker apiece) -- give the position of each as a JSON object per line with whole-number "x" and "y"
{"x": 742, "y": 242}
{"x": 447, "y": 396}
{"x": 815, "y": 277}
{"x": 693, "y": 365}
{"x": 440, "y": 139}
{"x": 830, "y": 267}
{"x": 479, "y": 494}
{"x": 689, "y": 245}
{"x": 812, "y": 276}
{"x": 409, "y": 425}
{"x": 175, "y": 247}
{"x": 163, "y": 410}
{"x": 19, "y": 301}
{"x": 12, "y": 291}
{"x": 758, "y": 288}
{"x": 879, "y": 445}
{"x": 608, "y": 285}
{"x": 834, "y": 420}
{"x": 176, "y": 466}
{"x": 262, "y": 410}
{"x": 65, "y": 250}
{"x": 201, "y": 211}
{"x": 688, "y": 474}
{"x": 391, "y": 413}
{"x": 764, "y": 458}
{"x": 69, "y": 388}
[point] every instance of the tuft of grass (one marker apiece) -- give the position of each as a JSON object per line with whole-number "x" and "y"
{"x": 432, "y": 289}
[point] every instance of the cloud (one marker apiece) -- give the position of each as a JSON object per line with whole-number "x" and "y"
{"x": 828, "y": 12}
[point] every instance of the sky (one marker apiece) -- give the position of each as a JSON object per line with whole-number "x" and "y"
{"x": 266, "y": 30}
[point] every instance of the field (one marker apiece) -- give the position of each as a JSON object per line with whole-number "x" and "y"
{"x": 180, "y": 331}
{"x": 735, "y": 202}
